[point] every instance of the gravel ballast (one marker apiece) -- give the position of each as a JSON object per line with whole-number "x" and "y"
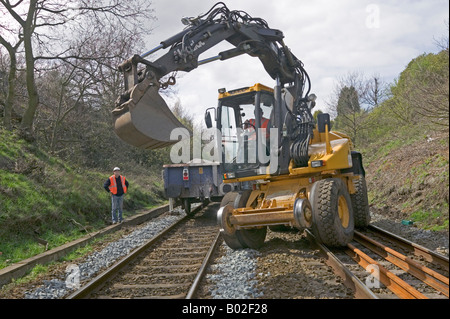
{"x": 234, "y": 275}
{"x": 56, "y": 288}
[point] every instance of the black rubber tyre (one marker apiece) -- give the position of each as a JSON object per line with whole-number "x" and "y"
{"x": 360, "y": 203}
{"x": 252, "y": 238}
{"x": 249, "y": 238}
{"x": 229, "y": 198}
{"x": 333, "y": 221}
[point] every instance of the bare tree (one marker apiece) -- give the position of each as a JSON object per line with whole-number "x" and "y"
{"x": 350, "y": 114}
{"x": 375, "y": 91}
{"x": 429, "y": 97}
{"x": 12, "y": 74}
{"x": 40, "y": 21}
{"x": 347, "y": 104}
{"x": 421, "y": 93}
{"x": 79, "y": 86}
{"x": 442, "y": 42}
{"x": 27, "y": 24}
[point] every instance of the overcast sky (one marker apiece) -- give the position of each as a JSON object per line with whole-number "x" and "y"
{"x": 330, "y": 37}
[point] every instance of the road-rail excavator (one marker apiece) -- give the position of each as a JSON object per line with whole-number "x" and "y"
{"x": 286, "y": 169}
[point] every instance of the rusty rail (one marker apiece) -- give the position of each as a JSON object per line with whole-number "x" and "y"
{"x": 391, "y": 281}
{"x": 416, "y": 249}
{"x": 350, "y": 280}
{"x": 425, "y": 274}
{"x": 202, "y": 271}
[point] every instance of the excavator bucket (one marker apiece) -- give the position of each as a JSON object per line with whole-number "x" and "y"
{"x": 145, "y": 120}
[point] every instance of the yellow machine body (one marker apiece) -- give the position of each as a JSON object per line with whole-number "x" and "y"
{"x": 272, "y": 200}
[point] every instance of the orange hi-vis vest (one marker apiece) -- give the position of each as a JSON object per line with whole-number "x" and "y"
{"x": 264, "y": 124}
{"x": 113, "y": 185}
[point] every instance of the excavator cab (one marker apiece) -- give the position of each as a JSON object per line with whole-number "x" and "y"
{"x": 244, "y": 118}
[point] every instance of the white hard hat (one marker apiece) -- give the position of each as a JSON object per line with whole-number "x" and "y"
{"x": 116, "y": 169}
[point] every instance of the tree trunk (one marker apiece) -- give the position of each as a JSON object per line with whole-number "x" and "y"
{"x": 33, "y": 97}
{"x": 11, "y": 92}
{"x": 11, "y": 83}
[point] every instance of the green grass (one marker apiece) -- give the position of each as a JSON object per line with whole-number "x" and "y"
{"x": 42, "y": 196}
{"x": 389, "y": 147}
{"x": 35, "y": 272}
{"x": 14, "y": 251}
{"x": 432, "y": 219}
{"x": 43, "y": 269}
{"x": 10, "y": 145}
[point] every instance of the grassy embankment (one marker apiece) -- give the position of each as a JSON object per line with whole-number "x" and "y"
{"x": 408, "y": 175}
{"x": 43, "y": 198}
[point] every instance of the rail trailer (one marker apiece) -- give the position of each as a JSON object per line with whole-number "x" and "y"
{"x": 196, "y": 181}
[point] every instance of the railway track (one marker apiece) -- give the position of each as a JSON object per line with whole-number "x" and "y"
{"x": 169, "y": 265}
{"x": 376, "y": 265}
{"x": 379, "y": 264}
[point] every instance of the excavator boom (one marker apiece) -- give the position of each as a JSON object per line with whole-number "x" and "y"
{"x": 142, "y": 117}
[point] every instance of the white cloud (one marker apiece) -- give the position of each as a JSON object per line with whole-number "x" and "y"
{"x": 332, "y": 38}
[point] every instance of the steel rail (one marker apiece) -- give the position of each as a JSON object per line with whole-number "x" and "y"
{"x": 425, "y": 274}
{"x": 201, "y": 273}
{"x": 20, "y": 268}
{"x": 350, "y": 280}
{"x": 417, "y": 249}
{"x": 391, "y": 281}
{"x": 103, "y": 277}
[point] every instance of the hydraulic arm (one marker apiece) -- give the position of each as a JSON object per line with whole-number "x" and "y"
{"x": 141, "y": 116}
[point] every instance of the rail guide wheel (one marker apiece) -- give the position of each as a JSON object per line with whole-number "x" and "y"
{"x": 249, "y": 238}
{"x": 238, "y": 238}
{"x": 227, "y": 230}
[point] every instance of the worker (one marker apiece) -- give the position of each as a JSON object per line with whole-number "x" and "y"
{"x": 249, "y": 126}
{"x": 117, "y": 186}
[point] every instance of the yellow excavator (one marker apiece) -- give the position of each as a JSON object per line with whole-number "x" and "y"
{"x": 285, "y": 168}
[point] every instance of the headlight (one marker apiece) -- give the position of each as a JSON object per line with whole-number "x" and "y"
{"x": 317, "y": 163}
{"x": 229, "y": 175}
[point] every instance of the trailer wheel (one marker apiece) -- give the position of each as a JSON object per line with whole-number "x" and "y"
{"x": 360, "y": 203}
{"x": 333, "y": 221}
{"x": 187, "y": 205}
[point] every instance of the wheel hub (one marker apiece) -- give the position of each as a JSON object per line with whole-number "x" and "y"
{"x": 343, "y": 212}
